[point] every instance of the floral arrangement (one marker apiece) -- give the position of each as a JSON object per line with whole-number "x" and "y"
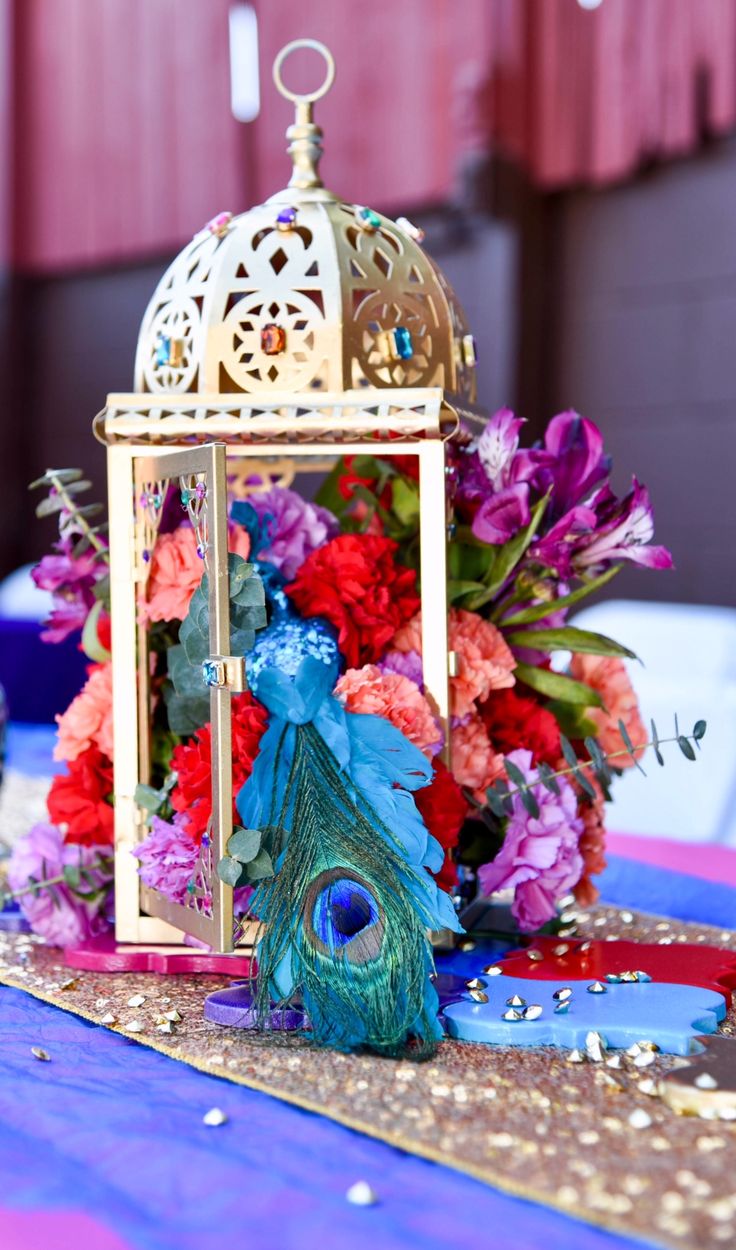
{"x": 543, "y": 715}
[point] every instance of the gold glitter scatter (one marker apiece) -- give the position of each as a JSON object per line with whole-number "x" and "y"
{"x": 39, "y": 1053}
{"x": 513, "y": 1116}
{"x": 214, "y": 1118}
{"x": 640, "y": 1118}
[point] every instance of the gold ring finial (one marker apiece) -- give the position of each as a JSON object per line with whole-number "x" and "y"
{"x": 311, "y": 96}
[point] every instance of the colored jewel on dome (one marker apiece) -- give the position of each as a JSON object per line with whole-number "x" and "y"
{"x": 191, "y": 887}
{"x": 219, "y": 225}
{"x": 368, "y": 219}
{"x": 286, "y": 219}
{"x": 186, "y": 497}
{"x": 200, "y": 490}
{"x": 201, "y": 550}
{"x": 469, "y": 350}
{"x": 163, "y": 347}
{"x": 273, "y": 339}
{"x": 414, "y": 232}
{"x": 146, "y": 556}
{"x": 176, "y": 353}
{"x": 402, "y": 343}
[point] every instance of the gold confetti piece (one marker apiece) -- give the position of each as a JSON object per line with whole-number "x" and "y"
{"x": 640, "y": 1118}
{"x": 137, "y": 1000}
{"x": 135, "y": 1026}
{"x": 361, "y": 1195}
{"x": 39, "y": 1053}
{"x": 173, "y": 1016}
{"x": 214, "y": 1117}
{"x": 626, "y": 917}
{"x": 493, "y": 970}
{"x": 165, "y": 1027}
{"x": 71, "y": 984}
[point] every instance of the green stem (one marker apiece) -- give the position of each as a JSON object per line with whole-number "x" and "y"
{"x": 566, "y": 772}
{"x": 81, "y": 521}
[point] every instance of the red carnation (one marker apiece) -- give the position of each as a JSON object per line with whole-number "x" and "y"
{"x": 79, "y": 800}
{"x": 514, "y": 721}
{"x": 355, "y": 582}
{"x": 192, "y": 762}
{"x": 443, "y": 809}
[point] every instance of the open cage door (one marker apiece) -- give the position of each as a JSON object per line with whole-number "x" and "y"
{"x": 138, "y": 480}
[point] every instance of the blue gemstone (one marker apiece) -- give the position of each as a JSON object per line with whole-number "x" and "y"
{"x": 287, "y": 217}
{"x": 210, "y": 673}
{"x": 402, "y": 343}
{"x": 163, "y": 348}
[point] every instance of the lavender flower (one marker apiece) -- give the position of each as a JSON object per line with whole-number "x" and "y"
{"x": 540, "y": 858}
{"x": 406, "y": 664}
{"x": 59, "y": 913}
{"x": 71, "y": 580}
{"x": 168, "y": 860}
{"x": 296, "y": 527}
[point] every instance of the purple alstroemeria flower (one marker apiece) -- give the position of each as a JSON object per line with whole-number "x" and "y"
{"x": 71, "y": 580}
{"x": 623, "y": 532}
{"x": 502, "y": 515}
{"x": 559, "y": 546}
{"x": 576, "y": 462}
{"x": 497, "y": 447}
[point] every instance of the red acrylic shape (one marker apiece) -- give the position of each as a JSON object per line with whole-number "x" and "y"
{"x": 679, "y": 962}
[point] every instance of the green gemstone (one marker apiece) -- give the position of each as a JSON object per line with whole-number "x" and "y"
{"x": 369, "y": 218}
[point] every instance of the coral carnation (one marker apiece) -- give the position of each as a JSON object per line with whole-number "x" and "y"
{"x": 355, "y": 582}
{"x": 608, "y": 676}
{"x": 475, "y": 764}
{"x": 443, "y": 808}
{"x": 513, "y": 720}
{"x": 176, "y": 571}
{"x": 192, "y": 762}
{"x": 540, "y": 858}
{"x": 486, "y": 663}
{"x": 79, "y": 802}
{"x": 394, "y": 697}
{"x": 88, "y": 719}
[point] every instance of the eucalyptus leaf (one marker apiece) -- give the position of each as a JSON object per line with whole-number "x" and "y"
{"x": 569, "y": 752}
{"x": 149, "y": 799}
{"x": 186, "y": 714}
{"x": 530, "y": 802}
{"x": 585, "y": 784}
{"x": 548, "y": 779}
{"x": 686, "y": 747}
{"x": 699, "y": 729}
{"x": 260, "y": 867}
{"x": 47, "y": 507}
{"x": 229, "y": 870}
{"x": 63, "y": 476}
{"x": 568, "y": 638}
{"x": 72, "y": 875}
{"x": 557, "y": 686}
{"x": 244, "y": 845}
{"x": 630, "y": 746}
{"x": 77, "y": 487}
{"x": 405, "y": 500}
{"x": 515, "y": 774}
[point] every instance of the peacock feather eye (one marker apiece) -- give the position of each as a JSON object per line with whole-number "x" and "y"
{"x": 344, "y": 915}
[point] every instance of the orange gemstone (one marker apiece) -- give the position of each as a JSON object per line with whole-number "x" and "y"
{"x": 273, "y": 339}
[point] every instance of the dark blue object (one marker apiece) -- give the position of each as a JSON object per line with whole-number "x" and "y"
{"x": 39, "y": 678}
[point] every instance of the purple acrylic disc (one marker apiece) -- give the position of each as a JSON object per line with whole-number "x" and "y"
{"x": 233, "y": 1007}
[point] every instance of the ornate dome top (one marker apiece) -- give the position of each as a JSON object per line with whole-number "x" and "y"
{"x": 304, "y": 293}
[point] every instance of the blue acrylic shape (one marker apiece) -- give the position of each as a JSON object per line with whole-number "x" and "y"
{"x": 670, "y": 1015}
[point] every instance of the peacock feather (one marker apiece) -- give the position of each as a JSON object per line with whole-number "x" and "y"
{"x": 346, "y": 915}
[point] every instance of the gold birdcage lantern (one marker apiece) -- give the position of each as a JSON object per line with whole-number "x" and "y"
{"x": 277, "y": 341}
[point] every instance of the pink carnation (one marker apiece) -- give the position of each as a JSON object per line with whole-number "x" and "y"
{"x": 176, "y": 571}
{"x": 485, "y": 662}
{"x": 88, "y": 719}
{"x": 475, "y": 765}
{"x": 540, "y": 858}
{"x": 56, "y": 912}
{"x": 168, "y": 862}
{"x": 396, "y": 698}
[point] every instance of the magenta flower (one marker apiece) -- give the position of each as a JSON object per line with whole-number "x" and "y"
{"x": 168, "y": 860}
{"x": 540, "y": 858}
{"x": 57, "y": 912}
{"x": 497, "y": 447}
{"x": 502, "y": 515}
{"x": 623, "y": 531}
{"x": 71, "y": 579}
{"x": 296, "y": 527}
{"x": 576, "y": 461}
{"x": 557, "y": 549}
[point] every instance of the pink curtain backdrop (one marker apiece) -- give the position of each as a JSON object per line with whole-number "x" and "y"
{"x": 116, "y": 138}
